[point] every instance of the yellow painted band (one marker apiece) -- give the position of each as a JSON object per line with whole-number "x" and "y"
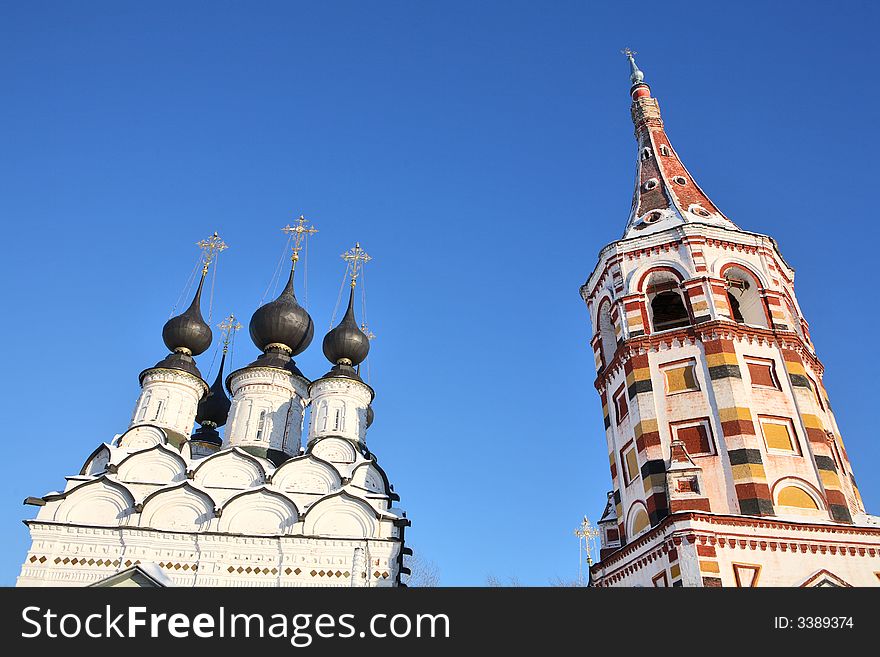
{"x": 748, "y": 471}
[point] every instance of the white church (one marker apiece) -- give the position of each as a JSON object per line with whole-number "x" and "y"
{"x": 163, "y": 505}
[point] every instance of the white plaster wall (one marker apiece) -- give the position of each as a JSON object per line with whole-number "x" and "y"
{"x": 339, "y": 408}
{"x": 217, "y": 558}
{"x": 169, "y": 399}
{"x": 278, "y": 394}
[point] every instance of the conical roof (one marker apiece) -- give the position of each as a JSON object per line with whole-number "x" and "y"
{"x": 666, "y": 194}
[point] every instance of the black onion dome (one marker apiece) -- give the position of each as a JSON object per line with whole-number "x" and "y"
{"x": 282, "y": 321}
{"x": 188, "y": 331}
{"x": 213, "y": 409}
{"x": 347, "y": 342}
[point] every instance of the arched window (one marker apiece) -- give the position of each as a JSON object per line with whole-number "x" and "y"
{"x": 339, "y": 419}
{"x": 160, "y": 408}
{"x": 638, "y": 520}
{"x": 607, "y": 335}
{"x": 796, "y": 497}
{"x": 794, "y": 316}
{"x": 261, "y": 425}
{"x": 322, "y": 417}
{"x": 744, "y": 296}
{"x": 144, "y": 404}
{"x": 666, "y": 302}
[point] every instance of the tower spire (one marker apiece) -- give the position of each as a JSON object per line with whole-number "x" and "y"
{"x": 665, "y": 195}
{"x": 636, "y": 75}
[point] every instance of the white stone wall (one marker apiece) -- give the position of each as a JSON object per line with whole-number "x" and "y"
{"x": 169, "y": 399}
{"x": 267, "y": 410}
{"x": 339, "y": 408}
{"x": 79, "y": 555}
{"x": 227, "y": 519}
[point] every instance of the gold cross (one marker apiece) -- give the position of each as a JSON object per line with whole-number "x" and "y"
{"x": 586, "y": 533}
{"x": 355, "y": 258}
{"x": 211, "y": 248}
{"x": 300, "y": 232}
{"x": 228, "y": 325}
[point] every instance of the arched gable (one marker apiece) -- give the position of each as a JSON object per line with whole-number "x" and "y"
{"x": 231, "y": 468}
{"x": 97, "y": 461}
{"x": 341, "y": 515}
{"x": 334, "y": 450}
{"x": 182, "y": 508}
{"x": 371, "y": 477}
{"x": 142, "y": 436}
{"x": 307, "y": 474}
{"x": 259, "y": 511}
{"x": 97, "y": 502}
{"x": 156, "y": 465}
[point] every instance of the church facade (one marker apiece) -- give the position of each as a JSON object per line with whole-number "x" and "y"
{"x": 727, "y": 465}
{"x": 261, "y": 506}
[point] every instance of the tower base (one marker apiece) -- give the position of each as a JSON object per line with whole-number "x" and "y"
{"x": 705, "y": 549}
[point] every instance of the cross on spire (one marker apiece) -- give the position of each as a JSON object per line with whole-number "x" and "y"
{"x": 228, "y": 326}
{"x": 300, "y": 232}
{"x": 636, "y": 76}
{"x": 356, "y": 258}
{"x": 211, "y": 248}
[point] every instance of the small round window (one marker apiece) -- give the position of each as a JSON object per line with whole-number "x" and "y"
{"x": 652, "y": 217}
{"x": 680, "y": 180}
{"x": 700, "y": 211}
{"x": 650, "y": 184}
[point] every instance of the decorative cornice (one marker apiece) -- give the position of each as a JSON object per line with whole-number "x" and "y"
{"x": 692, "y": 534}
{"x": 704, "y": 332}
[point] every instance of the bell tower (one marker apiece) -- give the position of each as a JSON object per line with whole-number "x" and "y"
{"x": 715, "y": 413}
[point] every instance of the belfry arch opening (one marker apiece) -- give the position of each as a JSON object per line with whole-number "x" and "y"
{"x": 607, "y": 334}
{"x": 666, "y": 304}
{"x": 744, "y": 297}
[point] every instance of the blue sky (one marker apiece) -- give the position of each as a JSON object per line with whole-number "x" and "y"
{"x": 481, "y": 152}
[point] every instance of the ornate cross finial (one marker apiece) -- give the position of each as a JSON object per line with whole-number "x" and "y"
{"x": 636, "y": 76}
{"x": 366, "y": 331}
{"x": 356, "y": 258}
{"x": 586, "y": 533}
{"x": 228, "y": 326}
{"x": 211, "y": 248}
{"x": 300, "y": 232}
